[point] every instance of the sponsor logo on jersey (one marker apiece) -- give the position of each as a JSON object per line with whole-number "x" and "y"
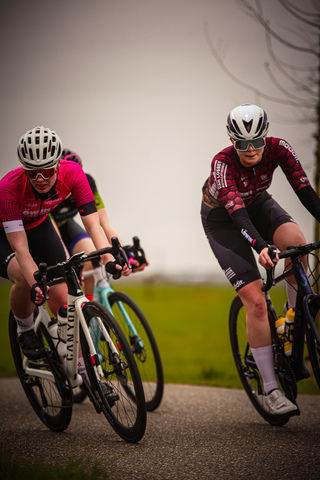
{"x": 289, "y": 148}
{"x": 247, "y": 236}
{"x": 220, "y": 170}
{"x": 229, "y": 204}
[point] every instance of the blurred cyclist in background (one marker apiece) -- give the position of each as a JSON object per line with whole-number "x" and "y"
{"x": 75, "y": 238}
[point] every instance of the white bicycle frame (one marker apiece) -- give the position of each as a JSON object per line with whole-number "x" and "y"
{"x": 68, "y": 351}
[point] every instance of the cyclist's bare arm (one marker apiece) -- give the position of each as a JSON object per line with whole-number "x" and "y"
{"x": 110, "y": 232}
{"x": 107, "y": 228}
{"x": 92, "y": 225}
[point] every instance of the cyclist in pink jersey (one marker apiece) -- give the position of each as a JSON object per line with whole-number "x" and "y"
{"x": 238, "y": 215}
{"x": 27, "y": 236}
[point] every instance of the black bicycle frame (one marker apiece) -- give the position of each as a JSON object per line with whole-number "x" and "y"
{"x": 302, "y": 317}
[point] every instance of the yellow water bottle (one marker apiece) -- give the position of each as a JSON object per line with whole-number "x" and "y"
{"x": 284, "y": 327}
{"x": 289, "y": 325}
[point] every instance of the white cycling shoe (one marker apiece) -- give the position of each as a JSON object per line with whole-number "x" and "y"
{"x": 279, "y": 404}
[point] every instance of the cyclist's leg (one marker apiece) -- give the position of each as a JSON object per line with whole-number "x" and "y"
{"x": 258, "y": 332}
{"x": 49, "y": 250}
{"x": 254, "y": 301}
{"x": 86, "y": 244}
{"x": 236, "y": 259}
{"x": 19, "y": 297}
{"x": 77, "y": 240}
{"x": 286, "y": 235}
{"x": 277, "y": 227}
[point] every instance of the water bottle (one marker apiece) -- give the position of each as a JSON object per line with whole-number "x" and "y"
{"x": 289, "y": 325}
{"x": 53, "y": 330}
{"x": 62, "y": 323}
{"x": 281, "y": 330}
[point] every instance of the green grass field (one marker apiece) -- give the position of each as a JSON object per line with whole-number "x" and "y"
{"x": 190, "y": 324}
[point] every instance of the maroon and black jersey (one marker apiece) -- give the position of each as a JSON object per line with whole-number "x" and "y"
{"x": 233, "y": 186}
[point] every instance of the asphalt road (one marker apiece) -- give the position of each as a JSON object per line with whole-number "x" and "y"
{"x": 197, "y": 433}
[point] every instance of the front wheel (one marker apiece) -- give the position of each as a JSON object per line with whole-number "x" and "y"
{"x": 143, "y": 346}
{"x": 127, "y": 412}
{"x": 248, "y": 371}
{"x": 313, "y": 347}
{"x": 50, "y": 395}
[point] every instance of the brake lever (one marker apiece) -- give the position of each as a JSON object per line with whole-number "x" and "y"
{"x": 138, "y": 250}
{"x": 119, "y": 256}
{"x": 40, "y": 277}
{"x": 270, "y": 281}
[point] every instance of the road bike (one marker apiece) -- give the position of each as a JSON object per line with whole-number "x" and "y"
{"x": 137, "y": 331}
{"x": 49, "y": 381}
{"x": 289, "y": 369}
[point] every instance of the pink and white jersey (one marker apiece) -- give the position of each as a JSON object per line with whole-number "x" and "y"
{"x": 21, "y": 208}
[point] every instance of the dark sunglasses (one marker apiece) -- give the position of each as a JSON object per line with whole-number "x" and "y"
{"x": 45, "y": 173}
{"x": 243, "y": 145}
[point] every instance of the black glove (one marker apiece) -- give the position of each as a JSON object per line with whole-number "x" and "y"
{"x": 112, "y": 270}
{"x": 33, "y": 294}
{"x": 135, "y": 254}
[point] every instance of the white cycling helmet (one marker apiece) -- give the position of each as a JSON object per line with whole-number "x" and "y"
{"x": 247, "y": 122}
{"x": 39, "y": 148}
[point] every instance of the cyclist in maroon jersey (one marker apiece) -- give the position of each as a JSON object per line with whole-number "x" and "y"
{"x": 27, "y": 236}
{"x": 238, "y": 215}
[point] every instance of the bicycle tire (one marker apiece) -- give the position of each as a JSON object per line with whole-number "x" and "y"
{"x": 128, "y": 415}
{"x": 52, "y": 407}
{"x": 147, "y": 356}
{"x": 314, "y": 354}
{"x": 248, "y": 372}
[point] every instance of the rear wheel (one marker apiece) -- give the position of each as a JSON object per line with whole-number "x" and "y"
{"x": 143, "y": 346}
{"x": 50, "y": 397}
{"x": 248, "y": 372}
{"x": 126, "y": 415}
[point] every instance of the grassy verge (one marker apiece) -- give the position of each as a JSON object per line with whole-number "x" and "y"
{"x": 190, "y": 323}
{"x": 73, "y": 469}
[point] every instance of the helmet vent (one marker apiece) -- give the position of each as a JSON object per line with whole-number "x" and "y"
{"x": 236, "y": 128}
{"x": 31, "y": 153}
{"x": 247, "y": 125}
{"x": 259, "y": 125}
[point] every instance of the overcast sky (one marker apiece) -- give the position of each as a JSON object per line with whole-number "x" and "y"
{"x": 133, "y": 87}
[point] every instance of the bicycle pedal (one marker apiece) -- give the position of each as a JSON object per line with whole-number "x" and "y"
{"x": 31, "y": 382}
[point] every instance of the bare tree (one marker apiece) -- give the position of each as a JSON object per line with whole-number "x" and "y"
{"x": 302, "y": 81}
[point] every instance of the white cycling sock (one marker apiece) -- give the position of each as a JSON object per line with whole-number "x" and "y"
{"x": 291, "y": 294}
{"x": 98, "y": 274}
{"x": 263, "y": 357}
{"x": 24, "y": 324}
